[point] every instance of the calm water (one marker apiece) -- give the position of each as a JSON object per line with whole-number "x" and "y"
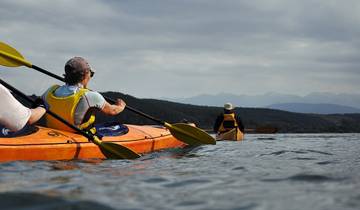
{"x": 282, "y": 171}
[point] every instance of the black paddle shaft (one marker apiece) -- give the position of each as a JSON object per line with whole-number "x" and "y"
{"x": 47, "y": 73}
{"x": 24, "y": 96}
{"x": 107, "y": 98}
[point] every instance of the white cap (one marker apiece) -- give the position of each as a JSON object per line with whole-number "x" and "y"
{"x": 228, "y": 106}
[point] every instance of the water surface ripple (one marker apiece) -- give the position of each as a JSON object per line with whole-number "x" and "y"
{"x": 280, "y": 172}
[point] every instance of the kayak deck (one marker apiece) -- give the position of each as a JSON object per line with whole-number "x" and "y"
{"x": 232, "y": 135}
{"x": 52, "y": 144}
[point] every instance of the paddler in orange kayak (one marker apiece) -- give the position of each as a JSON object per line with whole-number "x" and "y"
{"x": 74, "y": 102}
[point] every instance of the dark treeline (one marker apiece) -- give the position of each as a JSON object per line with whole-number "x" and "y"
{"x": 204, "y": 116}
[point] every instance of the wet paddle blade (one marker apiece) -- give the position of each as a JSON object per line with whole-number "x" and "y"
{"x": 191, "y": 135}
{"x": 10, "y": 57}
{"x": 115, "y": 151}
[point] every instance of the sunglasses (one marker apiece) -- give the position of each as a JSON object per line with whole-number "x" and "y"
{"x": 91, "y": 73}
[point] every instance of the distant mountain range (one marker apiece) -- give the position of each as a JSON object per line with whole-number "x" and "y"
{"x": 320, "y": 102}
{"x": 315, "y": 108}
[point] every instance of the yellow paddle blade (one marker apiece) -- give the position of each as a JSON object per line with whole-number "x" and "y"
{"x": 189, "y": 134}
{"x": 115, "y": 151}
{"x": 10, "y": 57}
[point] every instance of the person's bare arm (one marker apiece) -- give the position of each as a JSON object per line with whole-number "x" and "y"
{"x": 36, "y": 114}
{"x": 114, "y": 109}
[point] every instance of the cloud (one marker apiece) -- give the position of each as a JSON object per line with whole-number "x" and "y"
{"x": 163, "y": 48}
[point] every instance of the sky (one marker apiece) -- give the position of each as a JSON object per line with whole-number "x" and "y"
{"x": 183, "y": 48}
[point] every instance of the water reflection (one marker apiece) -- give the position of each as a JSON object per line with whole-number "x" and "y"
{"x": 23, "y": 200}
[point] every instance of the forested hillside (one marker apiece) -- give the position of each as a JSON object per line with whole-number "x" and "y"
{"x": 253, "y": 118}
{"x": 204, "y": 116}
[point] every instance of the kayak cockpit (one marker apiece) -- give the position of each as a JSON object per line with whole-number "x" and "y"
{"x": 27, "y": 130}
{"x": 103, "y": 129}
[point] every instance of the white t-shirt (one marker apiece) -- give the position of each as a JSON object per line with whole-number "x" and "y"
{"x": 90, "y": 99}
{"x": 13, "y": 115}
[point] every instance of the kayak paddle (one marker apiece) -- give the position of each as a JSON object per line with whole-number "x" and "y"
{"x": 191, "y": 135}
{"x": 110, "y": 150}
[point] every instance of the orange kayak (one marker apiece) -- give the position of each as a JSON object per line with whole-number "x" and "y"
{"x": 51, "y": 144}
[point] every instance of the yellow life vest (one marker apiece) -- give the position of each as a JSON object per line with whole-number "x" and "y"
{"x": 65, "y": 107}
{"x": 228, "y": 123}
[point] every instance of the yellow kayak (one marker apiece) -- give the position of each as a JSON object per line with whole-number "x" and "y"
{"x": 232, "y": 135}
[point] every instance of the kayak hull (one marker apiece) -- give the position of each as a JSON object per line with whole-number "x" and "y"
{"x": 52, "y": 144}
{"x": 232, "y": 135}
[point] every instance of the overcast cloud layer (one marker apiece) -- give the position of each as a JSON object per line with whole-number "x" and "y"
{"x": 181, "y": 48}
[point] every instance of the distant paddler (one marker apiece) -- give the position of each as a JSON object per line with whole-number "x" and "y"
{"x": 228, "y": 125}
